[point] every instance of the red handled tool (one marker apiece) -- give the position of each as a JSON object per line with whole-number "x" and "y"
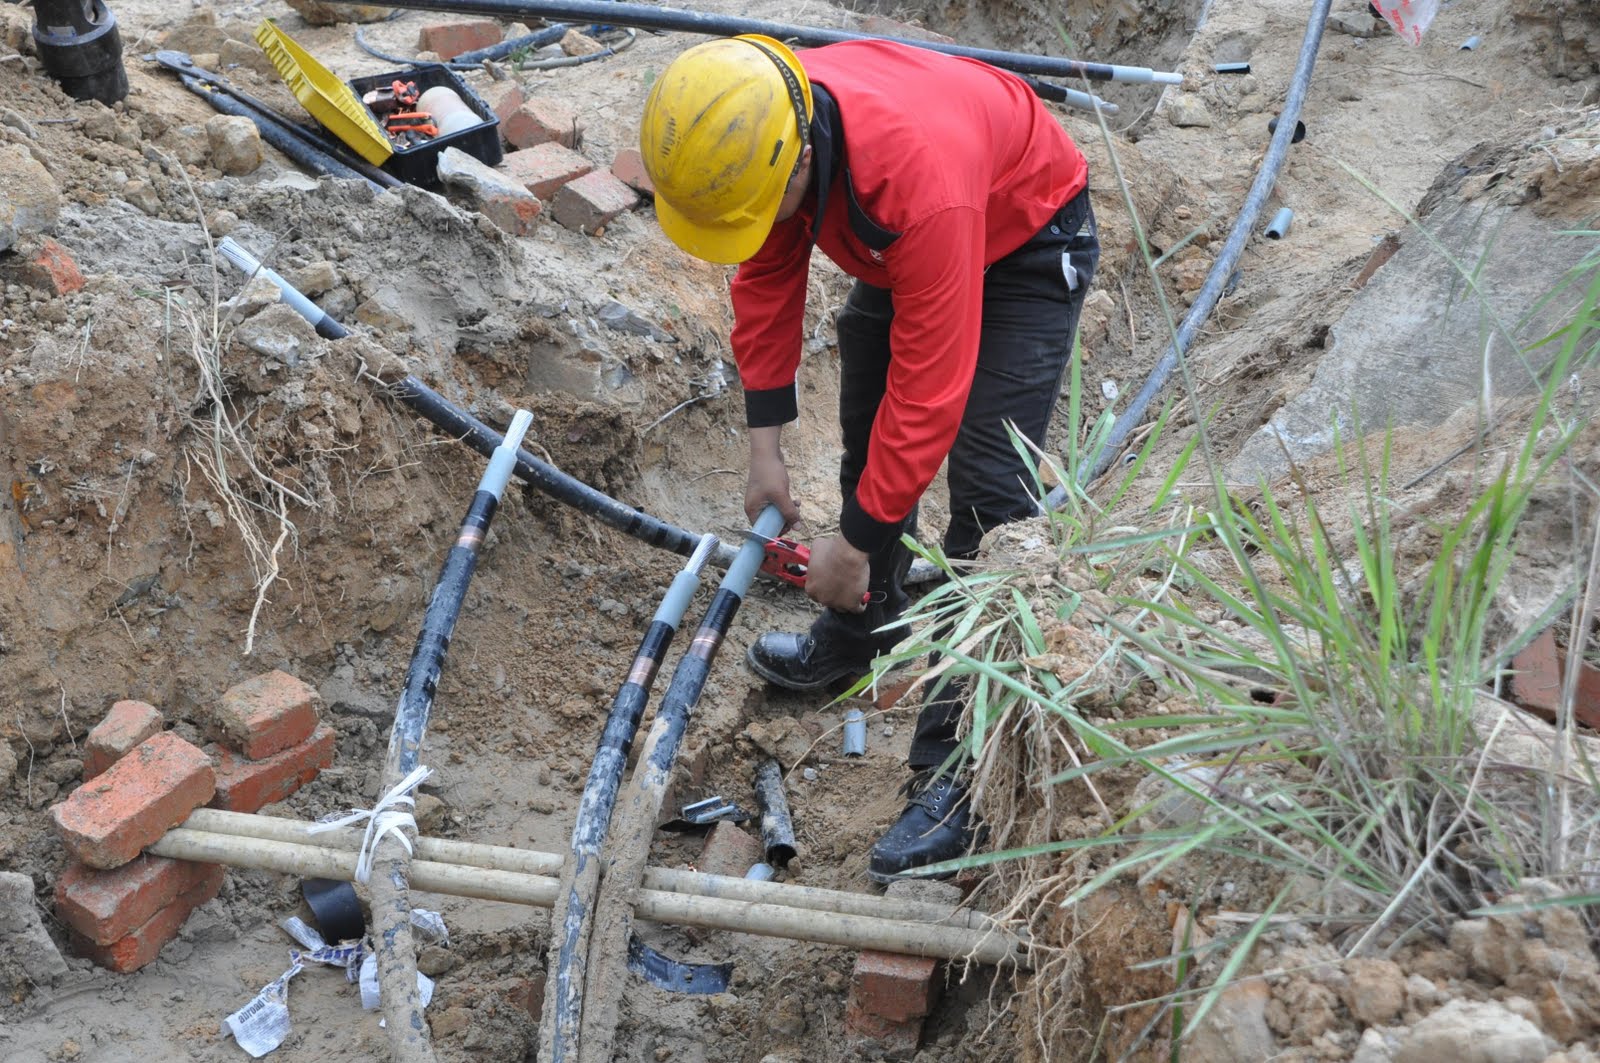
{"x": 789, "y": 561}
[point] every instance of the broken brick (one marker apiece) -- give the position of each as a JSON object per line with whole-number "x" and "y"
{"x": 890, "y": 995}
{"x": 589, "y": 203}
{"x": 245, "y": 785}
{"x": 1537, "y": 682}
{"x": 539, "y": 121}
{"x": 106, "y": 822}
{"x": 48, "y": 268}
{"x": 106, "y": 906}
{"x": 266, "y": 714}
{"x": 503, "y": 98}
{"x": 125, "y": 726}
{"x": 450, "y": 39}
{"x": 729, "y": 851}
{"x": 544, "y": 168}
{"x": 139, "y": 947}
{"x": 495, "y": 195}
{"x": 628, "y": 167}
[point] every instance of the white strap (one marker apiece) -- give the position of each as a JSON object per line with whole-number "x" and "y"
{"x": 383, "y": 818}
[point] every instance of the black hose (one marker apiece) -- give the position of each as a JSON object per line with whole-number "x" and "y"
{"x": 278, "y": 135}
{"x": 454, "y": 421}
{"x": 474, "y": 59}
{"x": 1222, "y": 269}
{"x": 643, "y": 16}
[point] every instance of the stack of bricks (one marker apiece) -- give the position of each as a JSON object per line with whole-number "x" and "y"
{"x": 272, "y": 742}
{"x": 122, "y": 906}
{"x": 139, "y": 781}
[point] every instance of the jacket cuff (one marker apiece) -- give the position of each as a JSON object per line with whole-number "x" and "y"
{"x": 864, "y": 531}
{"x": 771, "y": 406}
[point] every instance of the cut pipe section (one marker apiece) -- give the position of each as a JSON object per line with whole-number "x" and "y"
{"x": 777, "y": 824}
{"x": 1278, "y": 227}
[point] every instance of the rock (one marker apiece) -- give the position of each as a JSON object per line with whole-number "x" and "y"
{"x": 1189, "y": 110}
{"x": 1375, "y": 991}
{"x": 188, "y": 143}
{"x": 1472, "y": 1032}
{"x": 27, "y": 955}
{"x": 344, "y": 694}
{"x": 1421, "y": 994}
{"x": 781, "y": 737}
{"x": 576, "y": 43}
{"x": 8, "y": 765}
{"x": 1302, "y": 1011}
{"x": 495, "y": 195}
{"x": 434, "y": 961}
{"x": 430, "y": 813}
{"x": 235, "y": 144}
{"x": 30, "y": 201}
{"x": 318, "y": 278}
{"x": 1488, "y": 946}
{"x": 1374, "y": 1048}
{"x": 1162, "y": 804}
{"x": 613, "y": 315}
{"x": 278, "y": 332}
{"x": 317, "y": 13}
{"x": 249, "y": 56}
{"x": 142, "y": 194}
{"x": 1355, "y": 23}
{"x": 1236, "y": 1028}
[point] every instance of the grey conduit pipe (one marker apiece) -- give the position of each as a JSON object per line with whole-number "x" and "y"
{"x": 1227, "y": 259}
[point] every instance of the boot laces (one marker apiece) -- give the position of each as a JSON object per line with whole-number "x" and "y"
{"x": 925, "y": 788}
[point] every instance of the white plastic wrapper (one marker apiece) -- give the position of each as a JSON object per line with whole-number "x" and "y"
{"x": 1410, "y": 18}
{"x": 304, "y": 933}
{"x": 263, "y": 1024}
{"x": 429, "y": 927}
{"x": 369, "y": 984}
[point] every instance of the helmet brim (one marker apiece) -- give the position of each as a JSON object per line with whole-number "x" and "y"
{"x": 728, "y": 244}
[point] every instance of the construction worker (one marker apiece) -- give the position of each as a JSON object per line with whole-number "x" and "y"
{"x": 962, "y": 209}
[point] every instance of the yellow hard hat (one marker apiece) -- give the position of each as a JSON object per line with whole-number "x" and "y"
{"x": 721, "y": 131}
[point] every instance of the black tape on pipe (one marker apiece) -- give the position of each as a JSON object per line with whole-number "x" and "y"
{"x": 777, "y": 825}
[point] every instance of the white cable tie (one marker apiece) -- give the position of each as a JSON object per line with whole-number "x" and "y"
{"x": 383, "y": 818}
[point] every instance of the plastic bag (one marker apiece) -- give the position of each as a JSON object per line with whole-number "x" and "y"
{"x": 1410, "y": 18}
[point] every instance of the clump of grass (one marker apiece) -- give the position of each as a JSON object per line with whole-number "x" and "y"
{"x": 1338, "y": 736}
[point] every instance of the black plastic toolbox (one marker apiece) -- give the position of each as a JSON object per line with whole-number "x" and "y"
{"x": 418, "y": 165}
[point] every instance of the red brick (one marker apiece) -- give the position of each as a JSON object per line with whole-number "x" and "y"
{"x": 503, "y": 98}
{"x": 125, "y": 726}
{"x": 266, "y": 715}
{"x": 134, "y": 950}
{"x": 545, "y": 168}
{"x": 894, "y": 987}
{"x": 248, "y": 785}
{"x": 104, "y": 823}
{"x": 1537, "y": 684}
{"x": 539, "y": 121}
{"x": 105, "y": 906}
{"x": 450, "y": 39}
{"x": 872, "y": 1036}
{"x": 889, "y": 696}
{"x": 589, "y": 203}
{"x": 628, "y": 167}
{"x": 729, "y": 851}
{"x": 49, "y": 268}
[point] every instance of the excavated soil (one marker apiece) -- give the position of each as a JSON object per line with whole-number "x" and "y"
{"x": 126, "y": 572}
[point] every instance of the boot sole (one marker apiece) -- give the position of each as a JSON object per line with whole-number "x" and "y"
{"x": 886, "y": 878}
{"x": 789, "y": 684}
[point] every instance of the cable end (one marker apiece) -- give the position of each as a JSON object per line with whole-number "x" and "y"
{"x": 702, "y": 553}
{"x": 237, "y": 256}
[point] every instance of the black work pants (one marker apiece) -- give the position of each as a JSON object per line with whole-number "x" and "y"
{"x": 1031, "y": 302}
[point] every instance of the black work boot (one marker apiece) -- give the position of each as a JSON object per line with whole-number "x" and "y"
{"x": 937, "y": 825}
{"x": 810, "y": 660}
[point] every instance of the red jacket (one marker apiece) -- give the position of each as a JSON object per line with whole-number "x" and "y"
{"x": 965, "y": 164}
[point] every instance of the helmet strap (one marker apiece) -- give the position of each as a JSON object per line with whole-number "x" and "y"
{"x": 797, "y": 96}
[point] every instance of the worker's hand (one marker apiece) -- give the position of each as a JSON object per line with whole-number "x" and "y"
{"x": 769, "y": 479}
{"x": 837, "y": 576}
